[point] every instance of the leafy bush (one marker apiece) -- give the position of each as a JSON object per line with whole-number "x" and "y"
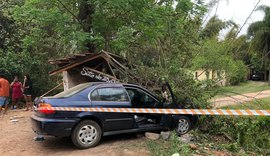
{"x": 237, "y": 72}
{"x": 182, "y": 83}
{"x": 248, "y": 133}
{"x": 23, "y": 63}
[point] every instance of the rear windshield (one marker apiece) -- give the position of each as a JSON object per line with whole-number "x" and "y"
{"x": 72, "y": 91}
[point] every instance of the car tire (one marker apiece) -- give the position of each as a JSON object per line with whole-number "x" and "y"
{"x": 86, "y": 134}
{"x": 183, "y": 125}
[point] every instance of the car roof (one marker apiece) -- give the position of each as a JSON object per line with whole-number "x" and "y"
{"x": 121, "y": 84}
{"x": 114, "y": 84}
{"x": 107, "y": 84}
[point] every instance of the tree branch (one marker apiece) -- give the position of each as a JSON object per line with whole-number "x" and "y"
{"x": 65, "y": 7}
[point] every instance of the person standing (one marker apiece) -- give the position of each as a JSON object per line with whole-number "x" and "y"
{"x": 4, "y": 92}
{"x": 27, "y": 92}
{"x": 16, "y": 86}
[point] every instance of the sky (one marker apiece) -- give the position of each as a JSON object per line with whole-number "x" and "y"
{"x": 238, "y": 11}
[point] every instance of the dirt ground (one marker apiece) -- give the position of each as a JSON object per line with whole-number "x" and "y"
{"x": 16, "y": 138}
{"x": 239, "y": 99}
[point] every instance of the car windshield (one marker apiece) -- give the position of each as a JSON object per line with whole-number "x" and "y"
{"x": 72, "y": 91}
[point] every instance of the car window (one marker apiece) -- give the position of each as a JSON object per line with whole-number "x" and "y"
{"x": 141, "y": 99}
{"x": 72, "y": 91}
{"x": 94, "y": 95}
{"x": 109, "y": 94}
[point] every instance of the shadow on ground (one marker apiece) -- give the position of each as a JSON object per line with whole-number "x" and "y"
{"x": 65, "y": 144}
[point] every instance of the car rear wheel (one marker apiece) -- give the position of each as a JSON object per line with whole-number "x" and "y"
{"x": 86, "y": 134}
{"x": 183, "y": 125}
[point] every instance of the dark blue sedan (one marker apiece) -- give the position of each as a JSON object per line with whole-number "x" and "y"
{"x": 86, "y": 128}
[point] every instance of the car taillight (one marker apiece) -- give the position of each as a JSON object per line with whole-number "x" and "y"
{"x": 45, "y": 108}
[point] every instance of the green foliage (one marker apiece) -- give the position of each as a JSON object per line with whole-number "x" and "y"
{"x": 257, "y": 62}
{"x": 18, "y": 64}
{"x": 259, "y": 33}
{"x": 213, "y": 27}
{"x": 218, "y": 56}
{"x": 47, "y": 29}
{"x": 164, "y": 148}
{"x": 237, "y": 73}
{"x": 161, "y": 35}
{"x": 165, "y": 38}
{"x": 182, "y": 82}
{"x": 213, "y": 56}
{"x": 245, "y": 87}
{"x": 249, "y": 133}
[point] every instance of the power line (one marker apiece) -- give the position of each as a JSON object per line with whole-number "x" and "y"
{"x": 217, "y": 7}
{"x": 225, "y": 76}
{"x": 248, "y": 17}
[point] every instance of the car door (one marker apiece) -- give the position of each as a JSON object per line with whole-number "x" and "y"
{"x": 141, "y": 99}
{"x": 113, "y": 97}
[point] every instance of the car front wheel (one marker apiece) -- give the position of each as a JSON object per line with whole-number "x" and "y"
{"x": 86, "y": 134}
{"x": 183, "y": 125}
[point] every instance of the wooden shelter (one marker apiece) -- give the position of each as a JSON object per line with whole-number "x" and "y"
{"x": 91, "y": 67}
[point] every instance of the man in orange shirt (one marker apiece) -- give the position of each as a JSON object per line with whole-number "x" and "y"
{"x": 4, "y": 92}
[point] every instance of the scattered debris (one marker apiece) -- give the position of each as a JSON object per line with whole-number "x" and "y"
{"x": 14, "y": 120}
{"x": 227, "y": 136}
{"x": 16, "y": 117}
{"x": 222, "y": 153}
{"x": 242, "y": 152}
{"x": 193, "y": 146}
{"x": 152, "y": 136}
{"x": 39, "y": 138}
{"x": 186, "y": 138}
{"x": 206, "y": 148}
{"x": 176, "y": 154}
{"x": 199, "y": 153}
{"x": 102, "y": 64}
{"x": 165, "y": 135}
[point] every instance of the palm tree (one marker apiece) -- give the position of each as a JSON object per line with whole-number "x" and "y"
{"x": 259, "y": 32}
{"x": 214, "y": 26}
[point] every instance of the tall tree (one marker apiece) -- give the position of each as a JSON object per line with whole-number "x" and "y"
{"x": 9, "y": 36}
{"x": 221, "y": 55}
{"x": 259, "y": 32}
{"x": 85, "y": 15}
{"x": 213, "y": 27}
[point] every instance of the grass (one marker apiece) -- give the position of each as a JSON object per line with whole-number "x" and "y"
{"x": 242, "y": 132}
{"x": 170, "y": 147}
{"x": 249, "y": 133}
{"x": 256, "y": 104}
{"x": 247, "y": 87}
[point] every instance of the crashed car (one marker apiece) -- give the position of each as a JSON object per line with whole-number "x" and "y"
{"x": 86, "y": 128}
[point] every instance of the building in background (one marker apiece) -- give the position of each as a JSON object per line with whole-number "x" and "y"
{"x": 218, "y": 76}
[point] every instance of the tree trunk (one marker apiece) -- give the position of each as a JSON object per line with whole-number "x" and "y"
{"x": 106, "y": 37}
{"x": 269, "y": 75}
{"x": 267, "y": 47}
{"x": 86, "y": 11}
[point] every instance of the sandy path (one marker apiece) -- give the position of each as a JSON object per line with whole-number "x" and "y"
{"x": 16, "y": 139}
{"x": 238, "y": 99}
